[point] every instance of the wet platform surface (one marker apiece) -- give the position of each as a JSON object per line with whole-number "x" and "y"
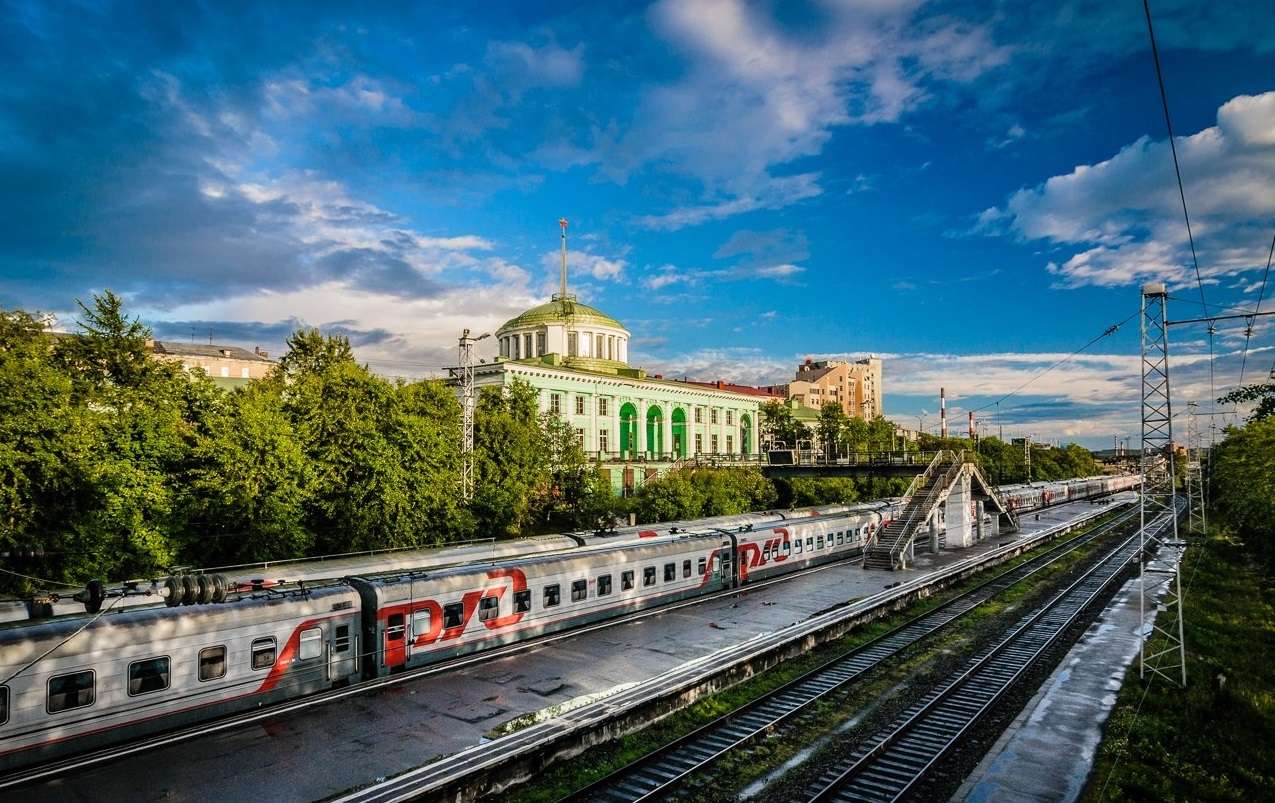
{"x": 328, "y": 749}
{"x": 1046, "y": 754}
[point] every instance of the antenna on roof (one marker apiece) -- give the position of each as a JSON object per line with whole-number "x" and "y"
{"x": 562, "y": 281}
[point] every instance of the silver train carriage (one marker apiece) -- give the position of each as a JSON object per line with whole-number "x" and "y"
{"x": 78, "y": 682}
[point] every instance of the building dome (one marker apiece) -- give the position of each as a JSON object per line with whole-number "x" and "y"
{"x": 581, "y": 336}
{"x": 557, "y": 311}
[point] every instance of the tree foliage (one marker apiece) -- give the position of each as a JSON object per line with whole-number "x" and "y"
{"x": 1260, "y": 395}
{"x": 1243, "y": 485}
{"x": 692, "y": 493}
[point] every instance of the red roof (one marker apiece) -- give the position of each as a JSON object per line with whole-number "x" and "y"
{"x": 747, "y": 390}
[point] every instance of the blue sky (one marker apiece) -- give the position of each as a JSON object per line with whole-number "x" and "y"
{"x": 972, "y": 190}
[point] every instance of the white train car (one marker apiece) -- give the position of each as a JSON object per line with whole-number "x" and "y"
{"x": 143, "y": 671}
{"x": 81, "y": 681}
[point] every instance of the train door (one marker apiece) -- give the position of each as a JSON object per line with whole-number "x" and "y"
{"x": 395, "y": 640}
{"x": 730, "y": 577}
{"x": 343, "y": 656}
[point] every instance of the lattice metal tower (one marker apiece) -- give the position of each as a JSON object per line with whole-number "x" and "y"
{"x": 1196, "y": 520}
{"x": 467, "y": 413}
{"x": 1162, "y": 652}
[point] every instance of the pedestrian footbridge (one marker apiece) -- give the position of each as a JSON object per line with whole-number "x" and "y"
{"x": 952, "y": 486}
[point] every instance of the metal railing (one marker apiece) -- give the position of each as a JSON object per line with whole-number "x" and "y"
{"x": 936, "y": 486}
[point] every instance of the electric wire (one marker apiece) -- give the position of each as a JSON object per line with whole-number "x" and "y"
{"x": 1177, "y": 170}
{"x": 1261, "y": 294}
{"x": 1110, "y": 330}
{"x": 55, "y": 647}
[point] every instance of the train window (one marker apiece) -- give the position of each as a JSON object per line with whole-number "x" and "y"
{"x": 454, "y": 614}
{"x": 70, "y": 691}
{"x": 604, "y": 585}
{"x": 522, "y": 601}
{"x": 670, "y": 572}
{"x": 840, "y": 539}
{"x": 787, "y": 547}
{"x": 421, "y": 621}
{"x": 552, "y": 595}
{"x": 686, "y": 568}
{"x": 579, "y": 590}
{"x": 212, "y": 663}
{"x": 810, "y": 543}
{"x": 147, "y": 676}
{"x": 311, "y": 644}
{"x": 703, "y": 566}
{"x": 488, "y": 608}
{"x": 765, "y": 552}
{"x": 626, "y": 580}
{"x": 798, "y": 549}
{"x": 4, "y": 704}
{"x": 819, "y": 542}
{"x": 396, "y": 626}
{"x": 648, "y": 576}
{"x": 263, "y": 650}
{"x": 341, "y": 639}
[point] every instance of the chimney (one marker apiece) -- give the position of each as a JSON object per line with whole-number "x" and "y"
{"x": 972, "y": 436}
{"x": 942, "y": 413}
{"x": 260, "y": 352}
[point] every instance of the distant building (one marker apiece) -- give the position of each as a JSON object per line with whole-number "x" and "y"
{"x": 227, "y": 365}
{"x": 855, "y": 386}
{"x": 636, "y": 425}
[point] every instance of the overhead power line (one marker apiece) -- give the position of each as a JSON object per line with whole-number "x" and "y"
{"x": 1110, "y": 330}
{"x": 1177, "y": 171}
{"x": 1248, "y": 330}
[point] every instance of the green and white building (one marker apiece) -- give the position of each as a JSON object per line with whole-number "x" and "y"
{"x": 637, "y": 425}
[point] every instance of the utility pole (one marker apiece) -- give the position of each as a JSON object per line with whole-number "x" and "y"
{"x": 1162, "y": 651}
{"x": 1195, "y": 521}
{"x": 467, "y": 413}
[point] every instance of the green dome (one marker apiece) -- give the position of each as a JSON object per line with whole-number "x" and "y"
{"x": 559, "y": 312}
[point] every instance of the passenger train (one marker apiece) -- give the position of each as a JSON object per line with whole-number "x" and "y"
{"x": 89, "y": 680}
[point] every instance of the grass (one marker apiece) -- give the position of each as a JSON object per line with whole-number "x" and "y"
{"x": 560, "y": 779}
{"x": 1214, "y": 740}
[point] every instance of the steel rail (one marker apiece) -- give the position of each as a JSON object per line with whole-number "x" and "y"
{"x": 888, "y": 767}
{"x": 656, "y": 774}
{"x": 232, "y": 721}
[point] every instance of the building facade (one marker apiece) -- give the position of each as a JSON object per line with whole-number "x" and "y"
{"x": 635, "y": 425}
{"x": 227, "y": 365}
{"x": 855, "y": 386}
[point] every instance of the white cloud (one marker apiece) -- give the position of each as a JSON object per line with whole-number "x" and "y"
{"x": 550, "y": 65}
{"x": 584, "y": 263}
{"x": 670, "y": 275}
{"x": 773, "y": 193}
{"x": 1123, "y": 218}
{"x": 776, "y": 94}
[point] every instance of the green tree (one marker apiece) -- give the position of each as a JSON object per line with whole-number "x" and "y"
{"x": 832, "y": 427}
{"x": 247, "y": 487}
{"x": 777, "y": 424}
{"x": 110, "y": 349}
{"x": 1261, "y": 394}
{"x": 1243, "y": 485}
{"x": 384, "y": 467}
{"x": 511, "y": 471}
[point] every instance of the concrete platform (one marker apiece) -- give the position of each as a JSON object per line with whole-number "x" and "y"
{"x": 328, "y": 749}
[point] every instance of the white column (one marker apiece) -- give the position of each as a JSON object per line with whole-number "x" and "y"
{"x": 592, "y": 442}
{"x": 667, "y": 422}
{"x": 615, "y": 422}
{"x": 641, "y": 425}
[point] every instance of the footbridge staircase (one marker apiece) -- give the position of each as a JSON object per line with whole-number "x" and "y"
{"x": 952, "y": 480}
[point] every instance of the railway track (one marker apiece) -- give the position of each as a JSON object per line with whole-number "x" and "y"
{"x": 890, "y": 764}
{"x": 658, "y": 774}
